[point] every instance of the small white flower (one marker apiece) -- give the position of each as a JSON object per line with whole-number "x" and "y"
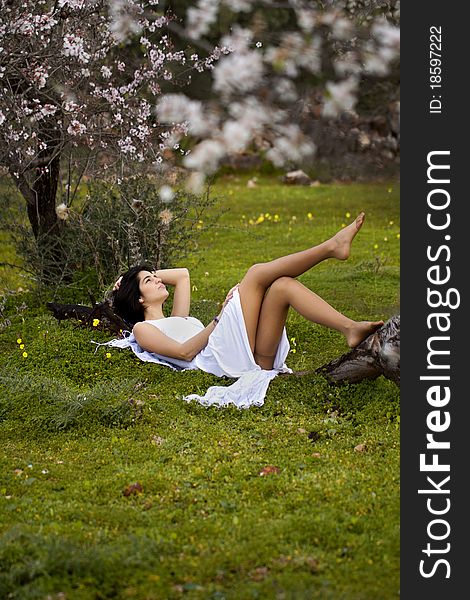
{"x": 106, "y": 72}
{"x": 76, "y": 128}
{"x": 166, "y": 193}
{"x": 62, "y": 211}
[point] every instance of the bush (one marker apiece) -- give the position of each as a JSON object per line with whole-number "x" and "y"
{"x": 117, "y": 226}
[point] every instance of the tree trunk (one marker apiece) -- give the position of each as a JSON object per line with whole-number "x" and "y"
{"x": 378, "y": 354}
{"x": 40, "y": 192}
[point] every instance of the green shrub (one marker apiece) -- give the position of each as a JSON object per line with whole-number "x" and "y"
{"x": 117, "y": 226}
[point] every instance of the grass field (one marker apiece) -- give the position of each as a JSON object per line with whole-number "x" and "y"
{"x": 113, "y": 487}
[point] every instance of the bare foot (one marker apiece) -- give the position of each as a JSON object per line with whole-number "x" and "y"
{"x": 343, "y": 239}
{"x": 360, "y": 330}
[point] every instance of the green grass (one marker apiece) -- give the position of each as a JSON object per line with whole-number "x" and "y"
{"x": 79, "y": 429}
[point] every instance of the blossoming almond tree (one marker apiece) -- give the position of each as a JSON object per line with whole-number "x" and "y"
{"x": 282, "y": 48}
{"x": 73, "y": 95}
{"x": 95, "y": 84}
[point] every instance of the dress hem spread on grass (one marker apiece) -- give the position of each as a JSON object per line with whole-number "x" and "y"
{"x": 227, "y": 353}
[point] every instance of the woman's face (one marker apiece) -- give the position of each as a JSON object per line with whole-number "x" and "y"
{"x": 152, "y": 290}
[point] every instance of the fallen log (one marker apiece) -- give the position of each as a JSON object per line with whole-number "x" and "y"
{"x": 378, "y": 354}
{"x": 86, "y": 315}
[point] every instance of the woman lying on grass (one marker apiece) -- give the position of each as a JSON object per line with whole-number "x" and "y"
{"x": 247, "y": 340}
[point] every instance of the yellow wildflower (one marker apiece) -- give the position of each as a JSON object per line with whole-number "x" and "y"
{"x": 343, "y": 224}
{"x": 376, "y": 246}
{"x": 348, "y": 214}
{"x": 385, "y": 239}
{"x": 390, "y": 222}
{"x": 310, "y": 216}
{"x": 108, "y": 354}
{"x": 398, "y": 236}
{"x": 21, "y": 346}
{"x": 25, "y": 355}
{"x": 19, "y": 340}
{"x": 95, "y": 322}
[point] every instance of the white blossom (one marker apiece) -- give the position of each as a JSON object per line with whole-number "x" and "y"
{"x": 177, "y": 108}
{"x": 71, "y": 3}
{"x": 290, "y": 146}
{"x": 126, "y": 146}
{"x": 386, "y": 34}
{"x": 74, "y": 46}
{"x": 238, "y": 40}
{"x": 205, "y": 156}
{"x": 166, "y": 193}
{"x": 306, "y": 19}
{"x": 106, "y": 72}
{"x": 70, "y": 106}
{"x": 201, "y": 17}
{"x": 239, "y": 5}
{"x": 62, "y": 211}
{"x": 238, "y": 73}
{"x": 285, "y": 89}
{"x": 341, "y": 97}
{"x": 341, "y": 28}
{"x": 123, "y": 24}
{"x": 76, "y": 128}
{"x": 39, "y": 76}
{"x": 235, "y": 136}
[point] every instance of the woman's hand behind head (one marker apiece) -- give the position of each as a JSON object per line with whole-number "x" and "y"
{"x": 117, "y": 284}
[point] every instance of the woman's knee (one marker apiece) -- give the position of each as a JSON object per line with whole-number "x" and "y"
{"x": 255, "y": 273}
{"x": 282, "y": 284}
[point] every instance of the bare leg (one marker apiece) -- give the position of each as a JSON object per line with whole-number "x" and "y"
{"x": 285, "y": 292}
{"x": 259, "y": 277}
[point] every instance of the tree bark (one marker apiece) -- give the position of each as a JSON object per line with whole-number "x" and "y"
{"x": 378, "y": 354}
{"x": 85, "y": 315}
{"x": 38, "y": 184}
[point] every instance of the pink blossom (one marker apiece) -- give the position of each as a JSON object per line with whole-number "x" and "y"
{"x": 76, "y": 128}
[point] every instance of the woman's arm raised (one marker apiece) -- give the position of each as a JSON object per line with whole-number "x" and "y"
{"x": 182, "y": 296}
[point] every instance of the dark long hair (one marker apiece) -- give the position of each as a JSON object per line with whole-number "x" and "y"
{"x": 126, "y": 299}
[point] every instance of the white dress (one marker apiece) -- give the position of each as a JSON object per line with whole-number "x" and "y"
{"x": 227, "y": 353}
